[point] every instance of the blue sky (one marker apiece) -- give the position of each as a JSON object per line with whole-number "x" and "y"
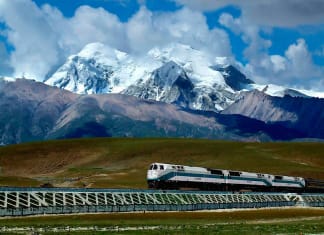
{"x": 279, "y": 42}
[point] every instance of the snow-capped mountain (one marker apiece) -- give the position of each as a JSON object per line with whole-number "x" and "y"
{"x": 177, "y": 74}
{"x": 174, "y": 74}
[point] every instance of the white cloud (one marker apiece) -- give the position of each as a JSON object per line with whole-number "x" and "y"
{"x": 295, "y": 68}
{"x": 95, "y": 24}
{"x": 42, "y": 37}
{"x": 300, "y": 60}
{"x": 141, "y": 32}
{"x": 287, "y": 13}
{"x": 278, "y": 63}
{"x": 35, "y": 47}
{"x": 146, "y": 30}
{"x": 250, "y": 34}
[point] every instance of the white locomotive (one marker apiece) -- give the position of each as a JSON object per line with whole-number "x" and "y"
{"x": 170, "y": 176}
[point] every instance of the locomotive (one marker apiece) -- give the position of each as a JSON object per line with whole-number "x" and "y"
{"x": 170, "y": 176}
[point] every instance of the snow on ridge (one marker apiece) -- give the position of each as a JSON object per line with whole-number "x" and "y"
{"x": 8, "y": 79}
{"x": 269, "y": 89}
{"x": 280, "y": 91}
{"x": 312, "y": 93}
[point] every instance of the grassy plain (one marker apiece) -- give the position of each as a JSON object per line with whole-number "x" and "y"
{"x": 115, "y": 163}
{"x": 265, "y": 221}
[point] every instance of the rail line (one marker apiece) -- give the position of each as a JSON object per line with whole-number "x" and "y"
{"x": 16, "y": 201}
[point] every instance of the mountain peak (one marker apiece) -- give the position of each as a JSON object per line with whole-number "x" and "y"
{"x": 234, "y": 78}
{"x": 168, "y": 73}
{"x": 183, "y": 54}
{"x": 169, "y": 84}
{"x": 101, "y": 53}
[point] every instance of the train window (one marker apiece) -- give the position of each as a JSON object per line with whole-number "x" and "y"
{"x": 234, "y": 173}
{"x": 173, "y": 167}
{"x": 216, "y": 172}
{"x": 161, "y": 167}
{"x": 151, "y": 167}
{"x": 180, "y": 168}
{"x": 155, "y": 167}
{"x": 278, "y": 177}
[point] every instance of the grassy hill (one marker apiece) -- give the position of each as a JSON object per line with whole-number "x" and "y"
{"x": 114, "y": 163}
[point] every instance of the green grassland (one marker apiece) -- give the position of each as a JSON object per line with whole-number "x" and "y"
{"x": 122, "y": 162}
{"x": 266, "y": 221}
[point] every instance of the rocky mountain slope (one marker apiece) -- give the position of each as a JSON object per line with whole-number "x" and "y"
{"x": 304, "y": 114}
{"x": 35, "y": 111}
{"x": 29, "y": 110}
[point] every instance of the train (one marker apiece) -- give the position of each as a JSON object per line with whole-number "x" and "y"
{"x": 171, "y": 176}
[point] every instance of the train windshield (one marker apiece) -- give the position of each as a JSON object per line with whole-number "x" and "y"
{"x": 153, "y": 167}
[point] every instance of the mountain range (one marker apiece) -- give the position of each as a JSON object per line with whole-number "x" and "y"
{"x": 175, "y": 91}
{"x": 35, "y": 111}
{"x": 176, "y": 74}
